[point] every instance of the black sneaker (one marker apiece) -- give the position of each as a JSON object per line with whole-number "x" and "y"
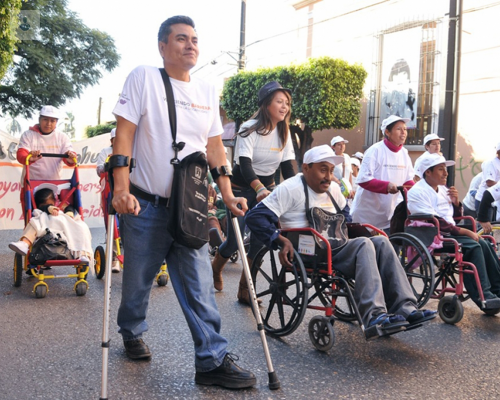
{"x": 136, "y": 349}
{"x": 227, "y": 375}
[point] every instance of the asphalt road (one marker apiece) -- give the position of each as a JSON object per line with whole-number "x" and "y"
{"x": 51, "y": 349}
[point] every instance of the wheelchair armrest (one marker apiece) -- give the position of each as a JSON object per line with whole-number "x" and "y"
{"x": 472, "y": 222}
{"x": 417, "y": 217}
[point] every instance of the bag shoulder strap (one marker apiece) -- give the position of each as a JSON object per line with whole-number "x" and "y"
{"x": 172, "y": 116}
{"x": 339, "y": 211}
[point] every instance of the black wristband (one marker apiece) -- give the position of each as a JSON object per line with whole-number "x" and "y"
{"x": 215, "y": 174}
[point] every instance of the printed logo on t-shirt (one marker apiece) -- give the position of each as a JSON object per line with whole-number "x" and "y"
{"x": 393, "y": 166}
{"x": 187, "y": 105}
{"x": 124, "y": 98}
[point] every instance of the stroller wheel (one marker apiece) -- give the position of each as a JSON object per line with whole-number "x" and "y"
{"x": 99, "y": 262}
{"x": 81, "y": 288}
{"x": 41, "y": 290}
{"x": 18, "y": 270}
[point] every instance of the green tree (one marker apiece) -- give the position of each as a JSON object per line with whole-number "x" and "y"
{"x": 9, "y": 9}
{"x": 92, "y": 131}
{"x": 326, "y": 93}
{"x": 66, "y": 57}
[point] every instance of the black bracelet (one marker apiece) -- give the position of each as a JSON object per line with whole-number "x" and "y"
{"x": 215, "y": 173}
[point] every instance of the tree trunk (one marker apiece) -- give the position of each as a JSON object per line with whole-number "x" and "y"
{"x": 302, "y": 141}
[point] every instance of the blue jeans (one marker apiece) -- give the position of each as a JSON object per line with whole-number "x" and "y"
{"x": 227, "y": 248}
{"x": 147, "y": 243}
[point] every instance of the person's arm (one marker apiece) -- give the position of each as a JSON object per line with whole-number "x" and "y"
{"x": 252, "y": 179}
{"x": 263, "y": 223}
{"x": 101, "y": 160}
{"x": 123, "y": 201}
{"x": 216, "y": 157}
{"x": 287, "y": 169}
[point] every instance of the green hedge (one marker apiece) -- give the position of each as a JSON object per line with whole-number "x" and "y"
{"x": 91, "y": 131}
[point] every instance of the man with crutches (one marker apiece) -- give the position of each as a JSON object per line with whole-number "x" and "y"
{"x": 141, "y": 199}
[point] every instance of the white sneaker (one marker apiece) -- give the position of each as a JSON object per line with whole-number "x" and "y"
{"x": 20, "y": 247}
{"x": 84, "y": 259}
{"x": 115, "y": 267}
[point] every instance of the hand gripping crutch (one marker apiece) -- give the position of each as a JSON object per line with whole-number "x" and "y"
{"x": 274, "y": 382}
{"x": 107, "y": 275}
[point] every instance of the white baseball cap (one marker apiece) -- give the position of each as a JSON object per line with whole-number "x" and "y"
{"x": 390, "y": 120}
{"x": 113, "y": 133}
{"x": 49, "y": 111}
{"x": 355, "y": 161}
{"x": 428, "y": 160}
{"x": 338, "y": 139}
{"x": 322, "y": 153}
{"x": 359, "y": 155}
{"x": 432, "y": 136}
{"x": 498, "y": 146}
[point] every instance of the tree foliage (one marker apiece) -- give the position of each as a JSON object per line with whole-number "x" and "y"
{"x": 326, "y": 93}
{"x": 91, "y": 131}
{"x": 9, "y": 9}
{"x": 66, "y": 57}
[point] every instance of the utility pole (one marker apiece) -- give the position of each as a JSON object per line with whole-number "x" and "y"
{"x": 449, "y": 126}
{"x": 242, "y": 58}
{"x": 99, "y": 111}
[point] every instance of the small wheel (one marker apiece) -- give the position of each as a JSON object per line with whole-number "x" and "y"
{"x": 162, "y": 280}
{"x": 81, "y": 288}
{"x": 492, "y": 311}
{"x": 417, "y": 263}
{"x": 451, "y": 310}
{"x": 40, "y": 291}
{"x": 18, "y": 270}
{"x": 321, "y": 333}
{"x": 234, "y": 257}
{"x": 326, "y": 292}
{"x": 99, "y": 262}
{"x": 283, "y": 291}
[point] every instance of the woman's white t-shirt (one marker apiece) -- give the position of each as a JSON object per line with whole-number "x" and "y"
{"x": 264, "y": 151}
{"x": 383, "y": 164}
{"x": 143, "y": 102}
{"x": 288, "y": 202}
{"x": 339, "y": 168}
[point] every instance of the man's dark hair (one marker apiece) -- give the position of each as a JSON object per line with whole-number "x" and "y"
{"x": 42, "y": 195}
{"x": 165, "y": 28}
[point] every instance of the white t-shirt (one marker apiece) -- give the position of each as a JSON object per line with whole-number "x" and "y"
{"x": 46, "y": 168}
{"x": 288, "y": 202}
{"x": 143, "y": 102}
{"x": 264, "y": 151}
{"x": 339, "y": 168}
{"x": 101, "y": 159}
{"x": 423, "y": 199}
{"x": 491, "y": 172}
{"x": 474, "y": 185}
{"x": 380, "y": 163}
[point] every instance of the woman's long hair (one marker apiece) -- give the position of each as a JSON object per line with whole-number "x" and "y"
{"x": 264, "y": 126}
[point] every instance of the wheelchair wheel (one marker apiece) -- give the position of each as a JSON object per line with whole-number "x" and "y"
{"x": 417, "y": 263}
{"x": 99, "y": 262}
{"x": 81, "y": 288}
{"x": 18, "y": 270}
{"x": 283, "y": 291}
{"x": 321, "y": 332}
{"x": 234, "y": 257}
{"x": 450, "y": 309}
{"x": 41, "y": 291}
{"x": 343, "y": 309}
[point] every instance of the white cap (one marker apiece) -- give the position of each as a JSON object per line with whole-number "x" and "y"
{"x": 498, "y": 146}
{"x": 47, "y": 185}
{"x": 390, "y": 120}
{"x": 358, "y": 154}
{"x": 338, "y": 139}
{"x": 432, "y": 136}
{"x": 49, "y": 111}
{"x": 355, "y": 161}
{"x": 428, "y": 160}
{"x": 113, "y": 133}
{"x": 322, "y": 153}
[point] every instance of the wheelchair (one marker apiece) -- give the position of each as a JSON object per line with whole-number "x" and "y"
{"x": 71, "y": 195}
{"x": 450, "y": 267}
{"x": 162, "y": 276}
{"x": 312, "y": 283}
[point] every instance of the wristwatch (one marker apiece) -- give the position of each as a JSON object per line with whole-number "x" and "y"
{"x": 224, "y": 170}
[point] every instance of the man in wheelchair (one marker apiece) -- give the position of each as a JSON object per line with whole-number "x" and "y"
{"x": 430, "y": 196}
{"x": 383, "y": 295}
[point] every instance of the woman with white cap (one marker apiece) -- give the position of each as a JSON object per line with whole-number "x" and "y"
{"x": 430, "y": 196}
{"x": 263, "y": 145}
{"x": 386, "y": 165}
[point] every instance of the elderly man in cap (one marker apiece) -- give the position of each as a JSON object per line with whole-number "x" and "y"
{"x": 386, "y": 165}
{"x": 44, "y": 138}
{"x": 430, "y": 196}
{"x": 383, "y": 294}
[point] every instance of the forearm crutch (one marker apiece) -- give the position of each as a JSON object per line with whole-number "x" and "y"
{"x": 274, "y": 382}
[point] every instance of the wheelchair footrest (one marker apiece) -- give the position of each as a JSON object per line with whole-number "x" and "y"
{"x": 376, "y": 331}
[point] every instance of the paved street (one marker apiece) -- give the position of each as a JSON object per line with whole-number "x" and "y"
{"x": 51, "y": 349}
